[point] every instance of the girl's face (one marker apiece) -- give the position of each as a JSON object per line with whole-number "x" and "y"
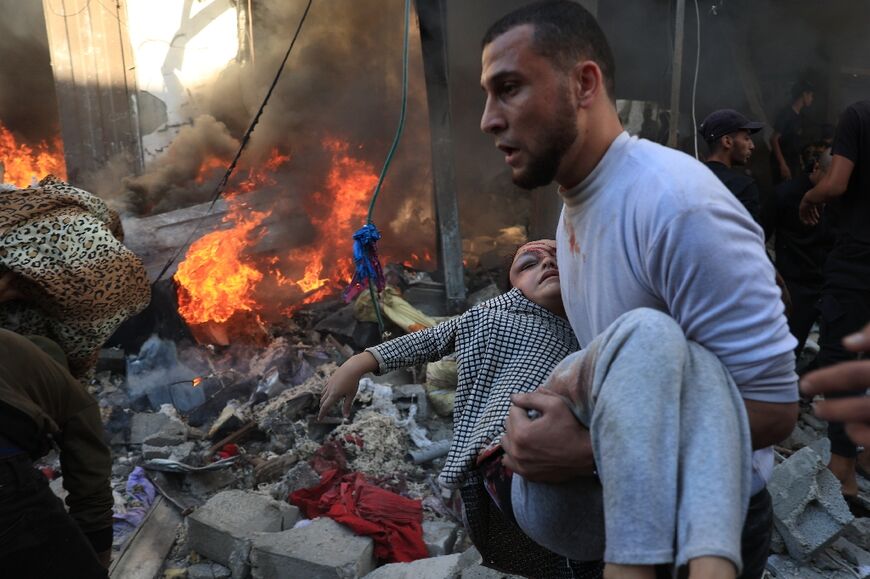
{"x": 534, "y": 272}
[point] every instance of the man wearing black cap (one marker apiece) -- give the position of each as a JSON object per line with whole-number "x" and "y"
{"x": 785, "y": 142}
{"x": 729, "y": 136}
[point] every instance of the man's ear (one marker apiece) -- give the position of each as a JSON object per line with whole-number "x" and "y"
{"x": 727, "y": 142}
{"x": 586, "y": 82}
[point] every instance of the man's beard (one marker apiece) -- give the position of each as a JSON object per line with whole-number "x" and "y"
{"x": 560, "y": 135}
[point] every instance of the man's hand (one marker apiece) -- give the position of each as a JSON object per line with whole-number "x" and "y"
{"x": 553, "y": 447}
{"x": 844, "y": 377}
{"x": 105, "y": 557}
{"x": 810, "y": 212}
{"x": 8, "y": 287}
{"x": 785, "y": 171}
{"x": 344, "y": 383}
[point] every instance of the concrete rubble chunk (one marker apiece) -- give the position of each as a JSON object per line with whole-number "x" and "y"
{"x": 446, "y": 567}
{"x": 858, "y": 532}
{"x": 146, "y": 424}
{"x": 208, "y": 571}
{"x": 149, "y": 451}
{"x": 440, "y": 537}
{"x": 481, "y": 572}
{"x": 301, "y": 476}
{"x": 855, "y": 555}
{"x": 784, "y": 567}
{"x": 809, "y": 510}
{"x": 321, "y": 550}
{"x": 407, "y": 394}
{"x": 222, "y": 529}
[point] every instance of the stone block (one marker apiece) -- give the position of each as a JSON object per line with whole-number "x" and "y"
{"x": 222, "y": 529}
{"x": 146, "y": 424}
{"x": 321, "y": 550}
{"x": 149, "y": 451}
{"x": 784, "y": 567}
{"x": 481, "y": 572}
{"x": 809, "y": 510}
{"x": 858, "y": 532}
{"x": 407, "y": 394}
{"x": 446, "y": 567}
{"x": 208, "y": 571}
{"x": 301, "y": 476}
{"x": 440, "y": 537}
{"x": 855, "y": 555}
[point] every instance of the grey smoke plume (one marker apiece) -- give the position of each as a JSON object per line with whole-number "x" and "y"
{"x": 28, "y": 106}
{"x": 170, "y": 181}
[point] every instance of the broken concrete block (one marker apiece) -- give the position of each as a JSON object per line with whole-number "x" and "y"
{"x": 809, "y": 510}
{"x": 784, "y": 567}
{"x": 855, "y": 555}
{"x": 156, "y": 429}
{"x": 481, "y": 572}
{"x": 446, "y": 567}
{"x": 858, "y": 532}
{"x": 301, "y": 476}
{"x": 146, "y": 424}
{"x": 800, "y": 437}
{"x": 407, "y": 394}
{"x": 439, "y": 536}
{"x": 208, "y": 571}
{"x": 149, "y": 452}
{"x": 206, "y": 483}
{"x": 222, "y": 528}
{"x": 321, "y": 550}
{"x": 182, "y": 452}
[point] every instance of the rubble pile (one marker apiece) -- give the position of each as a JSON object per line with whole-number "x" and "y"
{"x": 213, "y": 443}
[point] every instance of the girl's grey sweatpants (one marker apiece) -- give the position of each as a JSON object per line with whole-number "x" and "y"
{"x": 672, "y": 448}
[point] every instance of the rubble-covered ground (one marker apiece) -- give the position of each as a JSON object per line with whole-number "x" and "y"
{"x": 209, "y": 443}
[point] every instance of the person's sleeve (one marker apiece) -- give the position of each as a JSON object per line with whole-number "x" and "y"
{"x": 751, "y": 200}
{"x": 415, "y": 348}
{"x": 780, "y": 124}
{"x": 86, "y": 462}
{"x": 847, "y": 136}
{"x": 709, "y": 265}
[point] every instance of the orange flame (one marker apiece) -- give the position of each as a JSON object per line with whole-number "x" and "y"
{"x": 219, "y": 277}
{"x": 216, "y": 279}
{"x": 24, "y": 164}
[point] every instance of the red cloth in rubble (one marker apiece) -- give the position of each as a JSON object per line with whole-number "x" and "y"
{"x": 394, "y": 522}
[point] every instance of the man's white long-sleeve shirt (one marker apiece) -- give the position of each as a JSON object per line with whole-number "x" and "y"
{"x": 653, "y": 227}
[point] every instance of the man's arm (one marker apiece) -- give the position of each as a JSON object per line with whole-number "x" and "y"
{"x": 784, "y": 170}
{"x": 833, "y": 185}
{"x": 709, "y": 266}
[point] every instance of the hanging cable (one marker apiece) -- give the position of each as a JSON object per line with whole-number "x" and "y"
{"x": 247, "y": 137}
{"x": 365, "y": 255}
{"x": 695, "y": 81}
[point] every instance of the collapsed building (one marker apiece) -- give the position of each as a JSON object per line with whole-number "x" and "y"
{"x": 209, "y": 396}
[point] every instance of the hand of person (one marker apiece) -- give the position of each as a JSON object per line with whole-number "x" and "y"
{"x": 845, "y": 376}
{"x": 784, "y": 171}
{"x": 8, "y": 289}
{"x": 105, "y": 557}
{"x": 553, "y": 447}
{"x": 810, "y": 212}
{"x": 344, "y": 383}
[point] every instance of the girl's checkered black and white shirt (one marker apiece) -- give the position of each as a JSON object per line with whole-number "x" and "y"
{"x": 503, "y": 346}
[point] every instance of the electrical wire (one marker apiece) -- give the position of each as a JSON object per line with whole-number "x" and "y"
{"x": 695, "y": 81}
{"x": 247, "y": 137}
{"x": 401, "y": 126}
{"x": 399, "y": 129}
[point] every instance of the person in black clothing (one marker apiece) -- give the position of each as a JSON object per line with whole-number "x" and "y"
{"x": 845, "y": 304}
{"x": 801, "y": 249}
{"x": 785, "y": 142}
{"x": 729, "y": 136}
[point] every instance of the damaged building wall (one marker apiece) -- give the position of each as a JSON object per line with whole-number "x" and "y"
{"x": 92, "y": 66}
{"x": 179, "y": 51}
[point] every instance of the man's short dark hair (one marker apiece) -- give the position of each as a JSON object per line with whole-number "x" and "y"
{"x": 800, "y": 87}
{"x": 565, "y": 33}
